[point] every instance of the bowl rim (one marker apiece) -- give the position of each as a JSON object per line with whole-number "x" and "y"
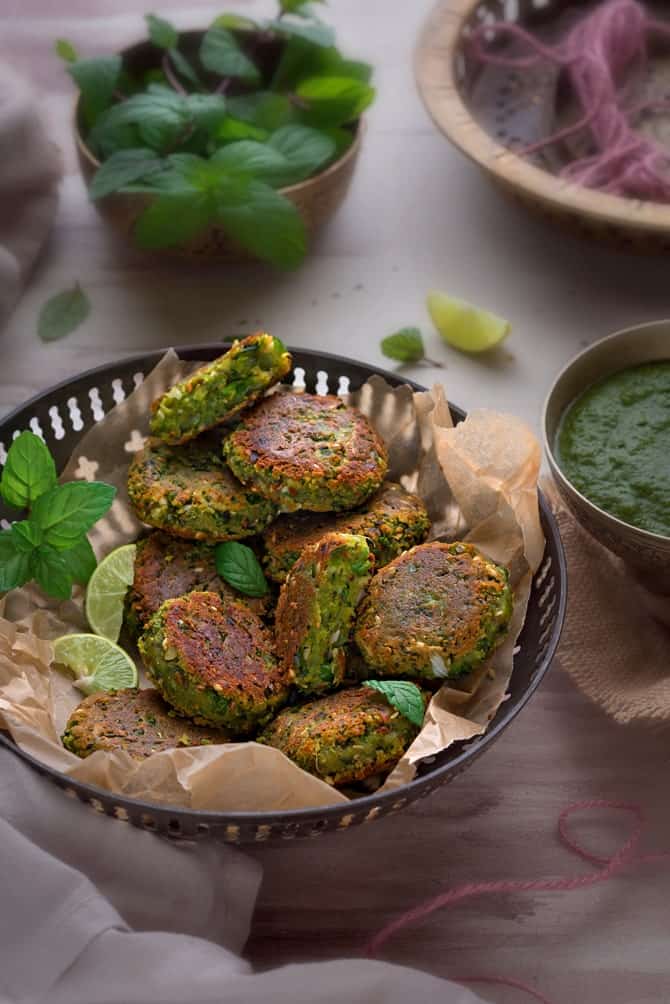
{"x": 371, "y": 804}
{"x": 650, "y": 538}
{"x": 435, "y": 75}
{"x": 349, "y": 154}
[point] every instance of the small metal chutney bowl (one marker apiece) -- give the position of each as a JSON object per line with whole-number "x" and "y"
{"x": 647, "y": 554}
{"x": 317, "y": 198}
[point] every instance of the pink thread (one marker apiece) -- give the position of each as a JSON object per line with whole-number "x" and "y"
{"x": 623, "y": 858}
{"x": 598, "y": 54}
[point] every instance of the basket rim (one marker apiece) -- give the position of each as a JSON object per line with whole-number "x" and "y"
{"x": 434, "y": 71}
{"x": 365, "y": 803}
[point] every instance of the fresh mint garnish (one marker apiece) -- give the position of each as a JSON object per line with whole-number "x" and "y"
{"x": 406, "y": 346}
{"x": 404, "y": 696}
{"x": 238, "y": 566}
{"x": 50, "y": 544}
{"x": 62, "y": 313}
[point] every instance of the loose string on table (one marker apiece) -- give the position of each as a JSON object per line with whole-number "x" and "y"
{"x": 625, "y": 857}
{"x": 597, "y": 54}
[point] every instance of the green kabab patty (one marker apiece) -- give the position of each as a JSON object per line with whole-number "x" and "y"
{"x": 166, "y": 567}
{"x": 305, "y": 451}
{"x": 214, "y": 661}
{"x": 218, "y": 391}
{"x": 436, "y": 611}
{"x": 393, "y": 520}
{"x": 135, "y": 721}
{"x": 316, "y": 610}
{"x": 189, "y": 492}
{"x": 344, "y": 737}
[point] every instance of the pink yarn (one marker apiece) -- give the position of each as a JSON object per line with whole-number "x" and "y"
{"x": 611, "y": 866}
{"x": 597, "y": 55}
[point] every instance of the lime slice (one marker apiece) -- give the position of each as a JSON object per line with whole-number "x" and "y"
{"x": 106, "y": 592}
{"x": 97, "y": 663}
{"x": 463, "y": 326}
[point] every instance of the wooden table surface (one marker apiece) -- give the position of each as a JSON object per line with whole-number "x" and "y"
{"x": 418, "y": 216}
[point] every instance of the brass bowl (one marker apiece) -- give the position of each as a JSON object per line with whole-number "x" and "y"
{"x": 647, "y": 554}
{"x": 317, "y": 198}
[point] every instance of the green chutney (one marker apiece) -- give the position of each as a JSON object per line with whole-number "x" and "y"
{"x": 614, "y": 445}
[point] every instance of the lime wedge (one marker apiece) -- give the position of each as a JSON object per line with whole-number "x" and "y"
{"x": 97, "y": 663}
{"x": 106, "y": 592}
{"x": 463, "y": 326}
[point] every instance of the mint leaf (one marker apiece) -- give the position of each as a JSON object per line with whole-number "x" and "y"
{"x": 173, "y": 219}
{"x": 263, "y": 109}
{"x": 27, "y": 536}
{"x": 63, "y": 313}
{"x": 51, "y": 571}
{"x": 206, "y": 111}
{"x": 249, "y": 157}
{"x": 238, "y": 566}
{"x": 232, "y": 129}
{"x": 298, "y": 7}
{"x": 68, "y": 511}
{"x": 404, "y": 696}
{"x": 97, "y": 79}
{"x": 406, "y": 346}
{"x": 221, "y": 53}
{"x": 160, "y": 115}
{"x": 301, "y": 59}
{"x": 161, "y": 32}
{"x": 29, "y": 471}
{"x": 81, "y": 561}
{"x": 106, "y": 139}
{"x": 262, "y": 221}
{"x": 342, "y": 138}
{"x": 14, "y": 563}
{"x": 183, "y": 67}
{"x": 305, "y": 149}
{"x": 334, "y": 101}
{"x": 311, "y": 31}
{"x": 122, "y": 168}
{"x": 235, "y": 22}
{"x": 66, "y": 50}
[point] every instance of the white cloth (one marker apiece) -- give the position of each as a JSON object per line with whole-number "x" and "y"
{"x": 30, "y": 168}
{"x": 128, "y": 924}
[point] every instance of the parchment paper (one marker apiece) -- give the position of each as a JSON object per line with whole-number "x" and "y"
{"x": 479, "y": 483}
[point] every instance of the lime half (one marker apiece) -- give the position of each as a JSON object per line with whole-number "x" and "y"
{"x": 463, "y": 326}
{"x": 97, "y": 663}
{"x": 106, "y": 592}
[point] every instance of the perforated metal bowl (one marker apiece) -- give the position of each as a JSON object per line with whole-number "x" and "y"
{"x": 65, "y": 412}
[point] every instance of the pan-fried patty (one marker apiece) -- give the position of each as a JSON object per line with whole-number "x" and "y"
{"x": 166, "y": 567}
{"x": 214, "y": 661}
{"x": 218, "y": 391}
{"x": 189, "y": 492}
{"x": 436, "y": 611}
{"x": 303, "y": 451}
{"x": 316, "y": 610}
{"x": 393, "y": 520}
{"x": 344, "y": 737}
{"x": 136, "y": 721}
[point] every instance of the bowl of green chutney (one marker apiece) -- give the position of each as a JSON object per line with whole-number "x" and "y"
{"x": 606, "y": 430}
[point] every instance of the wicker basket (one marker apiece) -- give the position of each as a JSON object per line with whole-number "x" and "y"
{"x": 489, "y": 112}
{"x": 317, "y": 198}
{"x": 84, "y": 400}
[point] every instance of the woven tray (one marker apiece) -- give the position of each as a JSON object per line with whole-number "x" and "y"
{"x": 65, "y": 412}
{"x": 491, "y": 113}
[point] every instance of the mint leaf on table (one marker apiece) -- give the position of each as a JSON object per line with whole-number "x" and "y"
{"x": 51, "y": 571}
{"x": 221, "y": 53}
{"x": 161, "y": 32}
{"x": 238, "y": 566}
{"x": 81, "y": 561}
{"x": 404, "y": 696}
{"x": 173, "y": 219}
{"x": 333, "y": 101}
{"x": 62, "y": 313}
{"x": 29, "y": 471}
{"x": 97, "y": 79}
{"x": 66, "y": 50}
{"x": 14, "y": 563}
{"x": 122, "y": 168}
{"x": 262, "y": 221}
{"x": 68, "y": 511}
{"x": 406, "y": 346}
{"x": 311, "y": 31}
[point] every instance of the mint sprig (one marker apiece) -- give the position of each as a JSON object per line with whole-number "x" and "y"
{"x": 403, "y": 695}
{"x": 50, "y": 545}
{"x": 239, "y": 567}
